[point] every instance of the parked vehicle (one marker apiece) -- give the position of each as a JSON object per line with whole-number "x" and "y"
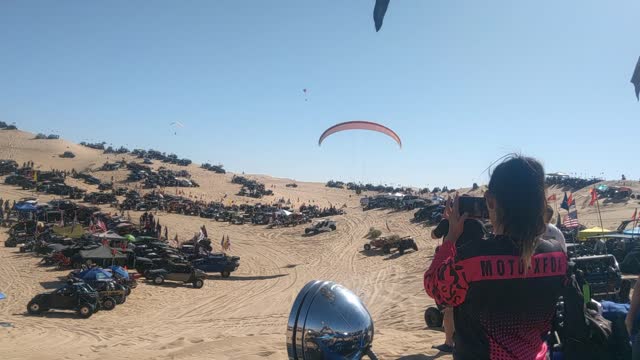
{"x": 217, "y": 263}
{"x": 387, "y": 244}
{"x": 78, "y": 297}
{"x": 177, "y": 272}
{"x": 322, "y": 226}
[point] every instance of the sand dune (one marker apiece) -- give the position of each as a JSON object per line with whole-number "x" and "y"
{"x": 243, "y": 317}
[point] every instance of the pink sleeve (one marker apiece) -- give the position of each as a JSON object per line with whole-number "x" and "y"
{"x": 445, "y": 281}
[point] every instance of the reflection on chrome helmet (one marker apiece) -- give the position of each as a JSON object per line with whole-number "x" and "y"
{"x": 328, "y": 321}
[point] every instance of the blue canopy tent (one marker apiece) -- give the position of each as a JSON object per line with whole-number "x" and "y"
{"x": 120, "y": 271}
{"x": 2, "y": 296}
{"x": 25, "y": 207}
{"x": 95, "y": 274}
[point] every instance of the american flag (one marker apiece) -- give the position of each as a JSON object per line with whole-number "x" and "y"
{"x": 571, "y": 220}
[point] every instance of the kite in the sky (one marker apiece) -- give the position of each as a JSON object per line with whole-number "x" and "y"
{"x": 305, "y": 94}
{"x": 635, "y": 79}
{"x": 378, "y": 13}
{"x": 360, "y": 125}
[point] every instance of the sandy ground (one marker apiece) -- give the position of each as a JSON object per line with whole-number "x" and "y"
{"x": 245, "y": 316}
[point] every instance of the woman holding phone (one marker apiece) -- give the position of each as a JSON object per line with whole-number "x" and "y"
{"x": 503, "y": 289}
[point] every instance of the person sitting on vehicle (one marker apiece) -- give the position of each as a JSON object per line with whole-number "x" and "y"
{"x": 552, "y": 232}
{"x": 504, "y": 289}
{"x": 473, "y": 229}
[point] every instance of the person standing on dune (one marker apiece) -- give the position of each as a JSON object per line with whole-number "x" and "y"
{"x": 504, "y": 289}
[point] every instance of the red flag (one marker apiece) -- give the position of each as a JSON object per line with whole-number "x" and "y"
{"x": 552, "y": 198}
{"x": 102, "y": 225}
{"x": 594, "y": 197}
{"x": 635, "y": 215}
{"x": 570, "y": 201}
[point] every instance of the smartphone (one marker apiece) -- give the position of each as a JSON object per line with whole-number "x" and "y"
{"x": 474, "y": 206}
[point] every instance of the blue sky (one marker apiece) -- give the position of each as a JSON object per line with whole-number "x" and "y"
{"x": 463, "y": 83}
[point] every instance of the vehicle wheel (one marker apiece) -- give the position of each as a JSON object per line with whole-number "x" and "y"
{"x": 198, "y": 284}
{"x": 158, "y": 280}
{"x": 386, "y": 249}
{"x": 23, "y": 249}
{"x": 145, "y": 273}
{"x": 367, "y": 247}
{"x": 85, "y": 311}
{"x": 401, "y": 250}
{"x": 108, "y": 304}
{"x": 121, "y": 300}
{"x": 433, "y": 317}
{"x": 307, "y": 231}
{"x": 225, "y": 274}
{"x": 34, "y": 308}
{"x": 127, "y": 290}
{"x": 414, "y": 246}
{"x": 333, "y": 227}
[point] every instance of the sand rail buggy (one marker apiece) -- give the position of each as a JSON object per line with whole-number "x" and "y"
{"x": 74, "y": 296}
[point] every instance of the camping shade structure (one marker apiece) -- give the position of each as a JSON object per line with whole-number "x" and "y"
{"x": 109, "y": 235}
{"x": 282, "y": 212}
{"x": 120, "y": 271}
{"x": 94, "y": 274}
{"x": 103, "y": 255}
{"x": 360, "y": 125}
{"x": 594, "y": 231}
{"x": 25, "y": 207}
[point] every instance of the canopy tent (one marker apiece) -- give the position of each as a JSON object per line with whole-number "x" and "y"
{"x": 120, "y": 271}
{"x": 594, "y": 231}
{"x": 58, "y": 247}
{"x": 71, "y": 231}
{"x": 2, "y": 296}
{"x": 109, "y": 235}
{"x": 101, "y": 253}
{"x": 282, "y": 212}
{"x": 94, "y": 274}
{"x": 25, "y": 207}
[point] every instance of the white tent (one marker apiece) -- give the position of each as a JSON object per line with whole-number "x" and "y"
{"x": 282, "y": 212}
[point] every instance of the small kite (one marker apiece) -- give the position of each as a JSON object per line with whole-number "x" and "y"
{"x": 379, "y": 11}
{"x": 635, "y": 80}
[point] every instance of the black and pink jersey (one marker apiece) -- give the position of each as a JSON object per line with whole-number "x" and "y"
{"x": 502, "y": 310}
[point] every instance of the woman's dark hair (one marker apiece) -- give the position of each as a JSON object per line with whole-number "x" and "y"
{"x": 518, "y": 187}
